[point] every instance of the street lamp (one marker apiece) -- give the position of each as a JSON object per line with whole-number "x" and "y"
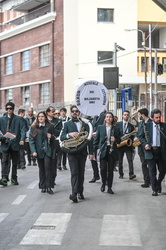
{"x": 145, "y": 65}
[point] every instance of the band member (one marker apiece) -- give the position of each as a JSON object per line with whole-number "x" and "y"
{"x": 21, "y": 156}
{"x": 57, "y": 123}
{"x": 76, "y": 160}
{"x": 62, "y": 156}
{"x": 41, "y": 144}
{"x": 107, "y": 136}
{"x": 97, "y": 120}
{"x": 126, "y": 128}
{"x": 10, "y": 147}
{"x": 30, "y": 118}
{"x": 144, "y": 119}
{"x": 153, "y": 139}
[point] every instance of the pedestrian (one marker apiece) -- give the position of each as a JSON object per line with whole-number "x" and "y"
{"x": 41, "y": 144}
{"x": 14, "y": 126}
{"x": 153, "y": 138}
{"x": 76, "y": 160}
{"x": 107, "y": 137}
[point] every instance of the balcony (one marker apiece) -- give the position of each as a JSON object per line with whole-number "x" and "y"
{"x": 44, "y": 10}
{"x": 27, "y": 5}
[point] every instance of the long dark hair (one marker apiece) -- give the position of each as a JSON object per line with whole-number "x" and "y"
{"x": 36, "y": 123}
{"x": 110, "y": 113}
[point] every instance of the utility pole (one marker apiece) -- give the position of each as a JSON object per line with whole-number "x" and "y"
{"x": 150, "y": 65}
{"x": 155, "y": 84}
{"x": 115, "y": 91}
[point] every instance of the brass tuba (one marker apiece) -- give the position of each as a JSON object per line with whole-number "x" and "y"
{"x": 74, "y": 145}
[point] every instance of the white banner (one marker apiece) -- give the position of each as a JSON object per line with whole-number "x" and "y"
{"x": 91, "y": 98}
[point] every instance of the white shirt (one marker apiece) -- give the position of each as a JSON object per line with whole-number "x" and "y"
{"x": 156, "y": 143}
{"x": 125, "y": 131}
{"x": 108, "y": 131}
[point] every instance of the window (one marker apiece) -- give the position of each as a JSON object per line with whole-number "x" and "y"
{"x": 105, "y": 57}
{"x": 143, "y": 62}
{"x": 26, "y": 95}
{"x": 9, "y": 95}
{"x": 105, "y": 15}
{"x": 164, "y": 64}
{"x": 45, "y": 93}
{"x": 25, "y": 58}
{"x": 44, "y": 55}
{"x": 9, "y": 65}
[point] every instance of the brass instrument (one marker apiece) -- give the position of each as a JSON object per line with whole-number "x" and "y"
{"x": 136, "y": 143}
{"x": 126, "y": 140}
{"x": 73, "y": 145}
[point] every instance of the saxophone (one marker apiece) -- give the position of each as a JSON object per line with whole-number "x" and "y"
{"x": 126, "y": 140}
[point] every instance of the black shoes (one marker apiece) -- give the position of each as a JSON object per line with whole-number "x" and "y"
{"x": 110, "y": 191}
{"x": 73, "y": 197}
{"x": 3, "y": 182}
{"x": 14, "y": 182}
{"x": 29, "y": 164}
{"x": 154, "y": 194}
{"x": 34, "y": 164}
{"x": 102, "y": 188}
{"x": 94, "y": 179}
{"x": 121, "y": 176}
{"x": 81, "y": 197}
{"x": 133, "y": 176}
{"x": 64, "y": 168}
{"x": 59, "y": 167}
{"x": 145, "y": 185}
{"x": 43, "y": 191}
{"x": 115, "y": 169}
{"x": 49, "y": 191}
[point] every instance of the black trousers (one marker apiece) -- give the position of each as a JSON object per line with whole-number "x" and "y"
{"x": 129, "y": 155}
{"x": 21, "y": 157}
{"x": 144, "y": 166}
{"x": 45, "y": 172}
{"x": 107, "y": 168}
{"x": 29, "y": 154}
{"x": 157, "y": 161}
{"x": 6, "y": 156}
{"x": 77, "y": 168}
{"x": 95, "y": 169}
{"x": 62, "y": 157}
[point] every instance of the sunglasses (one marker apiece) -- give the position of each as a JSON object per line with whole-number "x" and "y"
{"x": 9, "y": 108}
{"x": 76, "y": 111}
{"x": 57, "y": 113}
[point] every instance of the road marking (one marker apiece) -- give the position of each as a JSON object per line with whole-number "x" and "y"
{"x": 3, "y": 216}
{"x": 48, "y": 229}
{"x": 120, "y": 230}
{"x": 19, "y": 199}
{"x": 33, "y": 184}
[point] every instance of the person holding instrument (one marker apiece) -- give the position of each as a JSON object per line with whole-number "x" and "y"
{"x": 107, "y": 136}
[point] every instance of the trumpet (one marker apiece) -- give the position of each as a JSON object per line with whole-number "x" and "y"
{"x": 126, "y": 140}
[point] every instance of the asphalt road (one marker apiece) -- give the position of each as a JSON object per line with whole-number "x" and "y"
{"x": 130, "y": 219}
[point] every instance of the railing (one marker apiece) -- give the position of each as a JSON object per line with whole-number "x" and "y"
{"x": 27, "y": 17}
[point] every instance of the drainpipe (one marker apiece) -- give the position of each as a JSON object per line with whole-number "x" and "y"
{"x": 53, "y": 62}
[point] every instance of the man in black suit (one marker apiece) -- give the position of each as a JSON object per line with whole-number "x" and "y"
{"x": 153, "y": 139}
{"x": 125, "y": 128}
{"x": 144, "y": 119}
{"x": 76, "y": 160}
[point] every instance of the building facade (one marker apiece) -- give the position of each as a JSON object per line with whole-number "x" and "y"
{"x": 31, "y": 50}
{"x": 48, "y": 48}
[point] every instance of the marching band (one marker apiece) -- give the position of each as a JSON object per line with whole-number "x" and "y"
{"x": 76, "y": 139}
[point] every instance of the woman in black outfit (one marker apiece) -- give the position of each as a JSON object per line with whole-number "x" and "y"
{"x": 107, "y": 136}
{"x": 41, "y": 144}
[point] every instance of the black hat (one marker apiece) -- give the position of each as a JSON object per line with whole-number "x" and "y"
{"x": 10, "y": 104}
